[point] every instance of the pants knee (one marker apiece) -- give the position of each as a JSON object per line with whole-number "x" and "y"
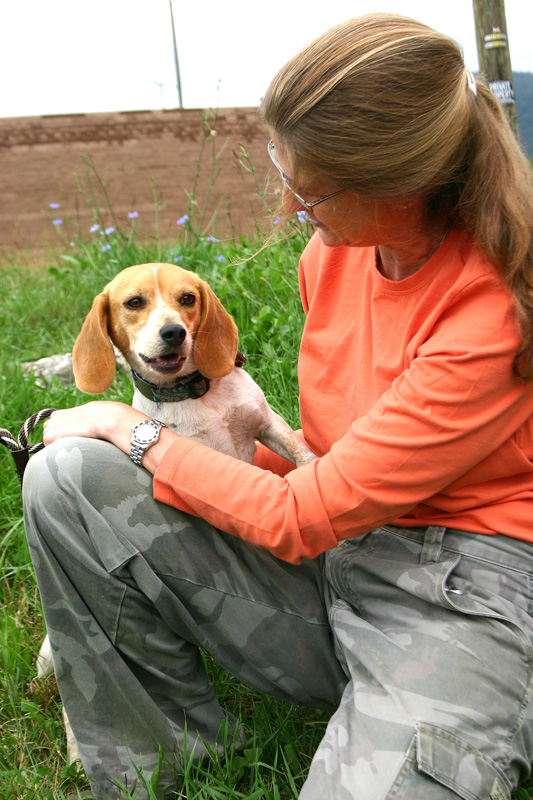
{"x": 64, "y": 475}
{"x": 45, "y": 470}
{"x": 68, "y": 464}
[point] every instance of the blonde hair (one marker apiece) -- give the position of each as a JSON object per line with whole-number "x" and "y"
{"x": 384, "y": 106}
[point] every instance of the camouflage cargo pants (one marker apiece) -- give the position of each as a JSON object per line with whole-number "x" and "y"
{"x": 421, "y": 638}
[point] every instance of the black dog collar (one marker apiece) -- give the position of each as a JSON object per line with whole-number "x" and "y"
{"x": 187, "y": 388}
{"x": 190, "y": 387}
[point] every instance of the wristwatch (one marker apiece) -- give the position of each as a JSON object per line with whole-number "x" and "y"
{"x": 143, "y": 436}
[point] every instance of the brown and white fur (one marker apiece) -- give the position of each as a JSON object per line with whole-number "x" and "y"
{"x": 168, "y": 323}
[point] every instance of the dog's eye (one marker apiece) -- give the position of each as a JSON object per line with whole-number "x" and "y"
{"x": 188, "y": 300}
{"x": 135, "y": 303}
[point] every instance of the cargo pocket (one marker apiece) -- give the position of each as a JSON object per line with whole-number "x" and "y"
{"x": 458, "y": 766}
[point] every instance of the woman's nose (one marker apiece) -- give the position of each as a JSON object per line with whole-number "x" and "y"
{"x": 289, "y": 202}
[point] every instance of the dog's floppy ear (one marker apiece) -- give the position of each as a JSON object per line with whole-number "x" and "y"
{"x": 217, "y": 338}
{"x": 93, "y": 356}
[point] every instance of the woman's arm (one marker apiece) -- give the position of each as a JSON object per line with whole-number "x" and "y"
{"x": 113, "y": 422}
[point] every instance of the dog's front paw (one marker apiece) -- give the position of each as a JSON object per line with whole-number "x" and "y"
{"x": 305, "y": 457}
{"x": 45, "y": 664}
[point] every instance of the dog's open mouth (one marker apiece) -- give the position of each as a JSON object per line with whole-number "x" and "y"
{"x": 170, "y": 362}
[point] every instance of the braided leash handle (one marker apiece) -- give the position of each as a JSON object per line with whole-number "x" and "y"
{"x": 19, "y": 447}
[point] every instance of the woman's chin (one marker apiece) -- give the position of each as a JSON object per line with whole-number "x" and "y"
{"x": 327, "y": 236}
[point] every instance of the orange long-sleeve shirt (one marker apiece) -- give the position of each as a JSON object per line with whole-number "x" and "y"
{"x": 408, "y": 397}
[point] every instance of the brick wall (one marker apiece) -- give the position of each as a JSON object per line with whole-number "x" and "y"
{"x": 136, "y": 153}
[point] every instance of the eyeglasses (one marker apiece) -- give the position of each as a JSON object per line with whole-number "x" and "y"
{"x": 286, "y": 181}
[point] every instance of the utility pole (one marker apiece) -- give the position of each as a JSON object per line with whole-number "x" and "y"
{"x": 176, "y": 62}
{"x": 494, "y": 54}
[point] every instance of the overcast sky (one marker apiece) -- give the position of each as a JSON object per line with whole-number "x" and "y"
{"x": 70, "y": 56}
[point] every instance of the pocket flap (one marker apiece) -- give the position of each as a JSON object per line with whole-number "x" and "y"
{"x": 459, "y": 766}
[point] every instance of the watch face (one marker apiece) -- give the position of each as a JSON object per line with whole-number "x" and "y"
{"x": 146, "y": 432}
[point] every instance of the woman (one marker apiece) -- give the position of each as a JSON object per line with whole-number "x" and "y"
{"x": 392, "y": 575}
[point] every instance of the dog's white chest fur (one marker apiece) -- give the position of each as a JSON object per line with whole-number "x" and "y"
{"x": 228, "y": 417}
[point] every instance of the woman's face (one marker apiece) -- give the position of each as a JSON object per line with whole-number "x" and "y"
{"x": 346, "y": 219}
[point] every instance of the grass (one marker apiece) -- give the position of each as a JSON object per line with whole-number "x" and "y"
{"x": 41, "y": 312}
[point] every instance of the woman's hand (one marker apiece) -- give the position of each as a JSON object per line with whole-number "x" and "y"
{"x": 96, "y": 420}
{"x": 103, "y": 419}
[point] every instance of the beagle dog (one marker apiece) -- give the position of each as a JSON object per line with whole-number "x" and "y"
{"x": 181, "y": 346}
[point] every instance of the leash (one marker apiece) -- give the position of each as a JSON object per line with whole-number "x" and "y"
{"x": 19, "y": 447}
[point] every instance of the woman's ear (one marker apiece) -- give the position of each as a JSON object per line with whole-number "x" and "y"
{"x": 216, "y": 340}
{"x": 93, "y": 356}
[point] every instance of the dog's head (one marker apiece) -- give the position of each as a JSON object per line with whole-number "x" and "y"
{"x": 165, "y": 321}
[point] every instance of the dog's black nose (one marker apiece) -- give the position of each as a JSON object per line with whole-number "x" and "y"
{"x": 173, "y": 335}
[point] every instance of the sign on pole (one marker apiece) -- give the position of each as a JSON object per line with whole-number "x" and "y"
{"x": 494, "y": 54}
